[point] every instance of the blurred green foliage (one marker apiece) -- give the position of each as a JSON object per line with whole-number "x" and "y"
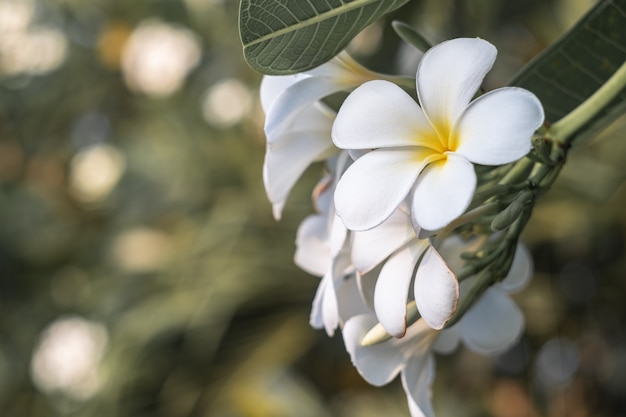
{"x": 163, "y": 242}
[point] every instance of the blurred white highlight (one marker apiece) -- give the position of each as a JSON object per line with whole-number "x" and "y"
{"x": 141, "y": 249}
{"x": 157, "y": 58}
{"x": 95, "y": 172}
{"x": 66, "y": 360}
{"x": 25, "y": 48}
{"x": 226, "y": 103}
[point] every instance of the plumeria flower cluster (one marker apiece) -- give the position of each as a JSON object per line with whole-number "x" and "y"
{"x": 400, "y": 177}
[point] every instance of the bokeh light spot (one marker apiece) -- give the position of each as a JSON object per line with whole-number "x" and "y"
{"x": 95, "y": 172}
{"x": 67, "y": 357}
{"x": 157, "y": 58}
{"x": 226, "y": 103}
{"x": 141, "y": 249}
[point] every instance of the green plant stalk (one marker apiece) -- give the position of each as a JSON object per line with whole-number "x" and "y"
{"x": 519, "y": 170}
{"x": 564, "y": 130}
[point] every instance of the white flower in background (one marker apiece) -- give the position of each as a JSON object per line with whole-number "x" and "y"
{"x": 322, "y": 251}
{"x": 492, "y": 325}
{"x": 429, "y": 148}
{"x": 158, "y": 57}
{"x": 304, "y": 141}
{"x": 395, "y": 245}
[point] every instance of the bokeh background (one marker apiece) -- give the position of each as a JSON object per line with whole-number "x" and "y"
{"x": 141, "y": 271}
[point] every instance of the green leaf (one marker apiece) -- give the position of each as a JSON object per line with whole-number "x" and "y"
{"x": 581, "y": 61}
{"x": 411, "y": 36}
{"x": 288, "y": 36}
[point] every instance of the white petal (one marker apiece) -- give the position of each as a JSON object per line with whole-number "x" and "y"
{"x": 521, "y": 271}
{"x": 277, "y": 209}
{"x": 330, "y": 308}
{"x": 392, "y": 289}
{"x": 451, "y": 249}
{"x": 379, "y": 114}
{"x": 315, "y": 118}
{"x": 338, "y": 234}
{"x": 288, "y": 158}
{"x": 497, "y": 127}
{"x": 436, "y": 290}
{"x": 325, "y": 306}
{"x": 294, "y": 100}
{"x": 378, "y": 364}
{"x": 343, "y": 68}
{"x": 449, "y": 75}
{"x": 316, "y": 319}
{"x": 349, "y": 299}
{"x": 493, "y": 324}
{"x": 374, "y": 185}
{"x": 313, "y": 252}
{"x": 323, "y": 195}
{"x": 443, "y": 192}
{"x": 417, "y": 379}
{"x": 371, "y": 247}
{"x": 273, "y": 86}
{"x": 367, "y": 285}
{"x": 448, "y": 340}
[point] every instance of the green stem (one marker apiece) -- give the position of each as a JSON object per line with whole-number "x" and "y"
{"x": 563, "y": 131}
{"x": 478, "y": 212}
{"x": 519, "y": 170}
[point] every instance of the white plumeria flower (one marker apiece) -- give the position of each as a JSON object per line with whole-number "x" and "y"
{"x": 298, "y": 125}
{"x": 304, "y": 141}
{"x": 322, "y": 250}
{"x": 430, "y": 148}
{"x": 395, "y": 245}
{"x": 492, "y": 325}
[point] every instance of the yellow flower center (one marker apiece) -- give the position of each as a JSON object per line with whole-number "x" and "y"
{"x": 439, "y": 139}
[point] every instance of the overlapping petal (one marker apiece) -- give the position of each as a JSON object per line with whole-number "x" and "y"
{"x": 367, "y": 285}
{"x": 493, "y": 324}
{"x": 377, "y": 364}
{"x": 379, "y": 114}
{"x": 324, "y": 311}
{"x": 417, "y": 378}
{"x": 273, "y": 86}
{"x": 312, "y": 247}
{"x": 371, "y": 247}
{"x": 293, "y": 100}
{"x": 496, "y": 128}
{"x": 343, "y": 68}
{"x": 521, "y": 271}
{"x": 374, "y": 185}
{"x": 287, "y": 159}
{"x": 349, "y": 299}
{"x": 443, "y": 192}
{"x": 449, "y": 75}
{"x": 392, "y": 288}
{"x": 436, "y": 290}
{"x": 448, "y": 340}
